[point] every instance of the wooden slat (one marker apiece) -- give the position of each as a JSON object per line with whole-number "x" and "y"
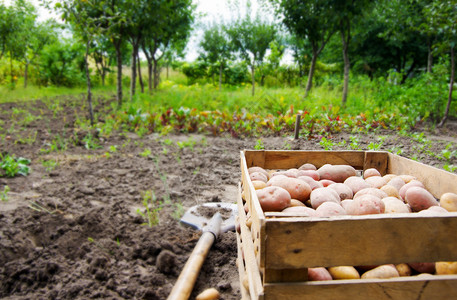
{"x": 241, "y": 270}
{"x": 433, "y": 287}
{"x": 435, "y": 180}
{"x": 285, "y": 275}
{"x": 285, "y": 159}
{"x": 360, "y": 240}
{"x": 377, "y": 160}
{"x": 252, "y": 269}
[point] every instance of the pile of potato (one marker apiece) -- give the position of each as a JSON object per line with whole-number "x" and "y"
{"x": 334, "y": 190}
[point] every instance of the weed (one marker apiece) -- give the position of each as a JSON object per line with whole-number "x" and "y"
{"x": 196, "y": 171}
{"x": 4, "y": 193}
{"x": 167, "y": 142}
{"x": 35, "y": 206}
{"x": 146, "y": 153}
{"x": 259, "y": 145}
{"x": 447, "y": 153}
{"x": 12, "y": 166}
{"x": 50, "y": 165}
{"x": 286, "y": 145}
{"x": 178, "y": 212}
{"x": 355, "y": 143}
{"x": 98, "y": 245}
{"x": 375, "y": 146}
{"x": 450, "y": 168}
{"x": 152, "y": 209}
{"x": 90, "y": 142}
{"x": 327, "y": 144}
{"x": 190, "y": 143}
{"x": 112, "y": 149}
{"x": 28, "y": 140}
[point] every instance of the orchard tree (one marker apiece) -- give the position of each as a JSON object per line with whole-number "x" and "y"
{"x": 251, "y": 38}
{"x": 313, "y": 21}
{"x": 216, "y": 48}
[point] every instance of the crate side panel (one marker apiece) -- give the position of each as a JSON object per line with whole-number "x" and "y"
{"x": 377, "y": 160}
{"x": 433, "y": 287}
{"x": 359, "y": 240}
{"x": 435, "y": 180}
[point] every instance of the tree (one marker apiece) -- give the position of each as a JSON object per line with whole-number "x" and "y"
{"x": 216, "y": 48}
{"x": 441, "y": 18}
{"x": 313, "y": 21}
{"x": 251, "y": 38}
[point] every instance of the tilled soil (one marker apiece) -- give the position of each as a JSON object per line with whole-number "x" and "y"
{"x": 79, "y": 229}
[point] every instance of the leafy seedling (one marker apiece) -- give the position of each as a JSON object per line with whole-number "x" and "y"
{"x": 4, "y": 193}
{"x": 13, "y": 166}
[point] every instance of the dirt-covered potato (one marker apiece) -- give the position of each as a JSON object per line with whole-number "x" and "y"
{"x": 328, "y": 209}
{"x": 318, "y": 274}
{"x": 298, "y": 189}
{"x": 370, "y": 172}
{"x": 381, "y": 272}
{"x": 419, "y": 198}
{"x": 343, "y": 190}
{"x": 344, "y": 272}
{"x": 448, "y": 201}
{"x": 321, "y": 195}
{"x": 366, "y": 205}
{"x": 273, "y": 198}
{"x": 356, "y": 184}
{"x": 336, "y": 173}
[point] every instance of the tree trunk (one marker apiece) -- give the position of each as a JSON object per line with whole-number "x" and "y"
{"x": 26, "y": 72}
{"x": 149, "y": 60}
{"x": 11, "y": 69}
{"x": 429, "y": 58}
{"x": 312, "y": 68}
{"x": 117, "y": 46}
{"x": 133, "y": 72}
{"x": 139, "y": 74}
{"x": 253, "y": 77}
{"x": 220, "y": 76}
{"x": 168, "y": 70}
{"x": 451, "y": 85}
{"x": 345, "y": 40}
{"x": 89, "y": 90}
{"x": 156, "y": 73}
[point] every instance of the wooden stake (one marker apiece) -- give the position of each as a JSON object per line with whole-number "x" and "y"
{"x": 297, "y": 126}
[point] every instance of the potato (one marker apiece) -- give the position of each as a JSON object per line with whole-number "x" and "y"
{"x": 433, "y": 211}
{"x": 310, "y": 173}
{"x": 295, "y": 202}
{"x": 300, "y": 210}
{"x": 336, "y": 173}
{"x": 389, "y": 177}
{"x": 403, "y": 269}
{"x": 407, "y": 178}
{"x": 370, "y": 191}
{"x": 321, "y": 195}
{"x": 343, "y": 190}
{"x": 356, "y": 184}
{"x": 446, "y": 267}
{"x": 273, "y": 198}
{"x": 312, "y": 183}
{"x": 258, "y": 184}
{"x": 291, "y": 173}
{"x": 419, "y": 198}
{"x": 376, "y": 181}
{"x": 366, "y": 205}
{"x": 328, "y": 209}
{"x": 370, "y": 172}
{"x": 381, "y": 272}
{"x": 397, "y": 183}
{"x": 257, "y": 176}
{"x": 344, "y": 272}
{"x": 307, "y": 166}
{"x": 449, "y": 201}
{"x": 346, "y": 204}
{"x": 326, "y": 182}
{"x": 318, "y": 274}
{"x": 258, "y": 169}
{"x": 423, "y": 267}
{"x": 394, "y": 205}
{"x": 208, "y": 294}
{"x": 298, "y": 189}
{"x": 390, "y": 190}
{"x": 403, "y": 189}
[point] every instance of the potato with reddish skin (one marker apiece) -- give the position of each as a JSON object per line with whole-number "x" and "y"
{"x": 370, "y": 191}
{"x": 381, "y": 272}
{"x": 356, "y": 184}
{"x": 326, "y": 182}
{"x": 258, "y": 169}
{"x": 419, "y": 198}
{"x": 423, "y": 267}
{"x": 298, "y": 189}
{"x": 376, "y": 181}
{"x": 366, "y": 205}
{"x": 318, "y": 274}
{"x": 273, "y": 198}
{"x": 449, "y": 201}
{"x": 396, "y": 182}
{"x": 321, "y": 195}
{"x": 346, "y": 204}
{"x": 300, "y": 210}
{"x": 258, "y": 176}
{"x": 312, "y": 183}
{"x": 291, "y": 173}
{"x": 310, "y": 173}
{"x": 403, "y": 189}
{"x": 370, "y": 172}
{"x": 343, "y": 190}
{"x": 307, "y": 166}
{"x": 328, "y": 209}
{"x": 336, "y": 173}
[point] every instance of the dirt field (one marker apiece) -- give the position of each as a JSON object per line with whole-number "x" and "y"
{"x": 71, "y": 229}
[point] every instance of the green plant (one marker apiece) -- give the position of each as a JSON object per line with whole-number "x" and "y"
{"x": 146, "y": 153}
{"x": 355, "y": 143}
{"x": 375, "y": 146}
{"x": 178, "y": 212}
{"x": 98, "y": 245}
{"x": 12, "y": 166}
{"x": 286, "y": 145}
{"x": 327, "y": 144}
{"x": 450, "y": 168}
{"x": 190, "y": 143}
{"x": 259, "y": 145}
{"x": 90, "y": 142}
{"x": 4, "y": 193}
{"x": 447, "y": 153}
{"x": 35, "y": 206}
{"x": 152, "y": 208}
{"x": 50, "y": 164}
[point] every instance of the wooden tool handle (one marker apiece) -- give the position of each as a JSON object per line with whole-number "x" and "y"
{"x": 186, "y": 280}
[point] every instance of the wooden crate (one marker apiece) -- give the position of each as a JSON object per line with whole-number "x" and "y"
{"x": 275, "y": 252}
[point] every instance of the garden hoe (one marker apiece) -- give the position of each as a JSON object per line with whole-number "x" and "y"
{"x": 210, "y": 231}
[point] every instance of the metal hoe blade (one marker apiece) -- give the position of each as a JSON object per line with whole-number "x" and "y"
{"x": 193, "y": 218}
